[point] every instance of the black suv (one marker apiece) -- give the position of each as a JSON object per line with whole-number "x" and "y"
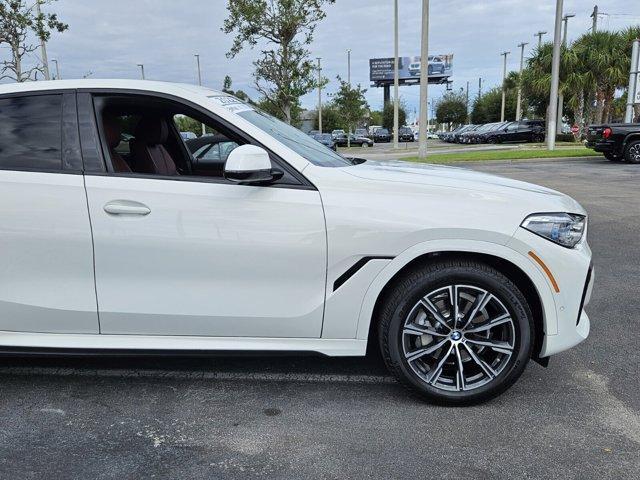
{"x": 522, "y": 131}
{"x": 405, "y": 134}
{"x": 381, "y": 135}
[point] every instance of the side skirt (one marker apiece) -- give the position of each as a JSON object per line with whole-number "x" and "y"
{"x": 94, "y": 344}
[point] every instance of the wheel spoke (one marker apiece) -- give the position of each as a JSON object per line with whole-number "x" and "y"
{"x": 413, "y": 329}
{"x": 500, "y": 347}
{"x": 506, "y": 318}
{"x": 416, "y": 354}
{"x": 432, "y": 309}
{"x": 453, "y": 297}
{"x": 433, "y": 378}
{"x": 490, "y": 372}
{"x": 480, "y": 302}
{"x": 460, "y": 377}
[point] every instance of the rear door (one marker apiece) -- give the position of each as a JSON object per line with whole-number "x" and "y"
{"x": 46, "y": 255}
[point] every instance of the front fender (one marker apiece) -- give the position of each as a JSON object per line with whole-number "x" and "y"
{"x": 524, "y": 263}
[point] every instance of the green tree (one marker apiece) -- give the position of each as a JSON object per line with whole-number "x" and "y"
{"x": 452, "y": 108}
{"x": 375, "y": 117}
{"x": 284, "y": 72}
{"x": 19, "y": 25}
{"x": 351, "y": 105}
{"x": 331, "y": 119}
{"x": 487, "y": 108}
{"x": 387, "y": 115}
{"x": 226, "y": 88}
{"x": 268, "y": 106}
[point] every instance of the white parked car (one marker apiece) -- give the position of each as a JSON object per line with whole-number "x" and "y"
{"x": 277, "y": 245}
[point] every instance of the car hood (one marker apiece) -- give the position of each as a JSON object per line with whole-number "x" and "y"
{"x": 400, "y": 173}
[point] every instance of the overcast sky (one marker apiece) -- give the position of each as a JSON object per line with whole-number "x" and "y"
{"x": 109, "y": 37}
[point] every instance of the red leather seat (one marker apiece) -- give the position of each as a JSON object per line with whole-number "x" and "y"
{"x": 148, "y": 150}
{"x": 113, "y": 131}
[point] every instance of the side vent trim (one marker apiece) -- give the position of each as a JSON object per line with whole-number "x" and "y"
{"x": 342, "y": 279}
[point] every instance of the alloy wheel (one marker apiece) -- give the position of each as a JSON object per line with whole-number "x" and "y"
{"x": 458, "y": 338}
{"x": 634, "y": 153}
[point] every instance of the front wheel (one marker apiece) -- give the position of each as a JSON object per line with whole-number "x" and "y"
{"x": 456, "y": 332}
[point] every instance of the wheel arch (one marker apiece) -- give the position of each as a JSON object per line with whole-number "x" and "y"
{"x": 518, "y": 272}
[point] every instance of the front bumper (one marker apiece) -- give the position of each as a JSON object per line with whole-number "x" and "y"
{"x": 564, "y": 321}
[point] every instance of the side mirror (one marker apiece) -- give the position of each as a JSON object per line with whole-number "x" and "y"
{"x": 249, "y": 164}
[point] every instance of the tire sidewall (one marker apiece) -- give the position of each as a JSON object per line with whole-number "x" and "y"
{"x": 505, "y": 291}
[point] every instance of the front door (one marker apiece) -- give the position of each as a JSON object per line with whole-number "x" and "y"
{"x": 184, "y": 252}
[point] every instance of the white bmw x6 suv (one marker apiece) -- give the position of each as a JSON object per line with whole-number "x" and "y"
{"x": 118, "y": 234}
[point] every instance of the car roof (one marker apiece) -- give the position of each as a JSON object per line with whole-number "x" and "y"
{"x": 169, "y": 88}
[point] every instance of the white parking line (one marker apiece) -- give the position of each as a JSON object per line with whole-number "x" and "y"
{"x": 196, "y": 375}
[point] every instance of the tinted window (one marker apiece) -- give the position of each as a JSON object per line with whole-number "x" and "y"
{"x": 30, "y": 133}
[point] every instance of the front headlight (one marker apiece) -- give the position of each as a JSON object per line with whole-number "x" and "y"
{"x": 565, "y": 229}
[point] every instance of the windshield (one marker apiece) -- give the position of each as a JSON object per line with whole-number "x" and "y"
{"x": 295, "y": 139}
{"x": 382, "y": 131}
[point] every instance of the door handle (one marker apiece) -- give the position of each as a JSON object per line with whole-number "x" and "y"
{"x": 126, "y": 207}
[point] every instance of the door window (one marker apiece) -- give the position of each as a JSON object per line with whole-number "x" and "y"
{"x": 31, "y": 133}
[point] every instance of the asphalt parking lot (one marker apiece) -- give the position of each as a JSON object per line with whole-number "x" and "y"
{"x": 345, "y": 418}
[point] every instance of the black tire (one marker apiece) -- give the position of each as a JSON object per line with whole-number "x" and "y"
{"x": 612, "y": 157}
{"x": 632, "y": 152}
{"x": 401, "y": 301}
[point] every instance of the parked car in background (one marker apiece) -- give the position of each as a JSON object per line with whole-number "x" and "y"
{"x": 188, "y": 135}
{"x": 381, "y": 135}
{"x": 465, "y": 136}
{"x": 616, "y": 141}
{"x": 518, "y": 132}
{"x": 372, "y": 129}
{"x": 405, "y": 134}
{"x": 455, "y": 137}
{"x": 338, "y": 132}
{"x": 361, "y": 132}
{"x": 327, "y": 140}
{"x": 342, "y": 141}
{"x": 482, "y": 134}
{"x": 459, "y": 277}
{"x": 313, "y": 133}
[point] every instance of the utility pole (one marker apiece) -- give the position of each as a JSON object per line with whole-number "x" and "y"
{"x": 594, "y": 15}
{"x": 57, "y": 68}
{"x": 555, "y": 79}
{"x": 539, "y": 35}
{"x": 43, "y": 47}
{"x": 560, "y": 122}
{"x": 204, "y": 128}
{"x": 349, "y": 67}
{"x": 396, "y": 76}
{"x": 319, "y": 95}
{"x": 504, "y": 91}
{"x": 468, "y": 116}
{"x": 479, "y": 87}
{"x": 424, "y": 83}
{"x": 141, "y": 70}
{"x": 632, "y": 92}
{"x": 519, "y": 102}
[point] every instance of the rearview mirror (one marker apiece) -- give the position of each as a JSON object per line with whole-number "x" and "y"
{"x": 249, "y": 164}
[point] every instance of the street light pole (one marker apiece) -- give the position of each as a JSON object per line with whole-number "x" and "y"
{"x": 349, "y": 67}
{"x": 560, "y": 122}
{"x": 141, "y": 70}
{"x": 519, "y": 102}
{"x": 319, "y": 95}
{"x": 539, "y": 35}
{"x": 43, "y": 47}
{"x": 504, "y": 91}
{"x": 423, "y": 121}
{"x": 57, "y": 68}
{"x": 555, "y": 79}
{"x": 396, "y": 76}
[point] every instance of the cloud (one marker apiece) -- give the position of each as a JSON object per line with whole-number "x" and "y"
{"x": 110, "y": 37}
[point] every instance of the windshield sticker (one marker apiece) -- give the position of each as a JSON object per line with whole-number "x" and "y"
{"x": 232, "y": 104}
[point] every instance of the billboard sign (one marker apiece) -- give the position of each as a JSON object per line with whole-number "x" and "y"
{"x": 439, "y": 68}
